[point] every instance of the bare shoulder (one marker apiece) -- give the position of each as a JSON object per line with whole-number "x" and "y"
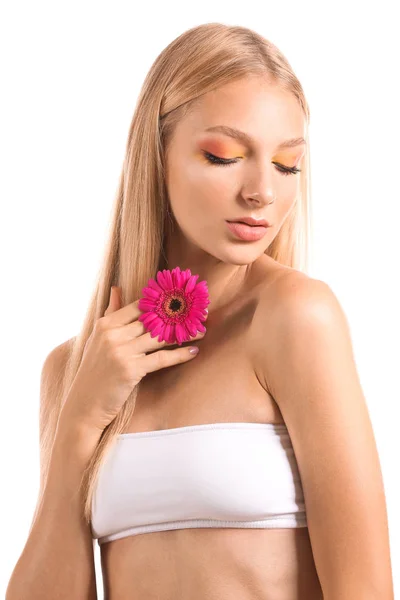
{"x": 55, "y": 362}
{"x": 52, "y": 371}
{"x": 288, "y": 305}
{"x": 281, "y": 283}
{"x": 295, "y": 293}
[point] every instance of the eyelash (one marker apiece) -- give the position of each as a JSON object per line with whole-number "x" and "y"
{"x": 216, "y": 160}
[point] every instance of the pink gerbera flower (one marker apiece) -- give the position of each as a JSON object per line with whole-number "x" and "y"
{"x": 173, "y": 307}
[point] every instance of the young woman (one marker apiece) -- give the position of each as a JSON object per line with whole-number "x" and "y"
{"x": 247, "y": 472}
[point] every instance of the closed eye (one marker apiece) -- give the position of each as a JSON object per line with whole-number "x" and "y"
{"x": 216, "y": 160}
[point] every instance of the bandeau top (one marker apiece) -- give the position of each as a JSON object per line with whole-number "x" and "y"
{"x": 212, "y": 475}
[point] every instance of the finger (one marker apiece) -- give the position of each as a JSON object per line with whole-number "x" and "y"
{"x": 145, "y": 343}
{"x": 114, "y": 300}
{"x": 124, "y": 315}
{"x": 127, "y": 314}
{"x": 137, "y": 328}
{"x": 166, "y": 358}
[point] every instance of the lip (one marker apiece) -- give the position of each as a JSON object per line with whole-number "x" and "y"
{"x": 251, "y": 221}
{"x": 249, "y": 233}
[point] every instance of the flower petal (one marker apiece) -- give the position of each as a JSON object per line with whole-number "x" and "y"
{"x": 161, "y": 280}
{"x": 191, "y": 327}
{"x": 148, "y": 318}
{"x": 185, "y": 276}
{"x": 198, "y": 324}
{"x": 157, "y": 328}
{"x": 194, "y": 312}
{"x": 146, "y": 305}
{"x": 161, "y": 337}
{"x": 199, "y": 305}
{"x": 190, "y": 285}
{"x": 176, "y": 277}
{"x": 168, "y": 279}
{"x": 153, "y": 294}
{"x": 167, "y": 332}
{"x": 172, "y": 335}
{"x": 153, "y": 284}
{"x": 180, "y": 333}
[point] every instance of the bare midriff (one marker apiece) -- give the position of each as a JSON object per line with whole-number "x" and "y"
{"x": 212, "y": 564}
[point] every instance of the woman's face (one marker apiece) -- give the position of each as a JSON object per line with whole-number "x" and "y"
{"x": 204, "y": 195}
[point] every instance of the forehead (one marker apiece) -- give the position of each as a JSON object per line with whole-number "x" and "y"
{"x": 268, "y": 114}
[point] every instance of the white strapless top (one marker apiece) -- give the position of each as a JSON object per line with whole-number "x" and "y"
{"x": 212, "y": 475}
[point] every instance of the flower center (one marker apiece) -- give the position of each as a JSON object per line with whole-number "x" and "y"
{"x": 175, "y": 305}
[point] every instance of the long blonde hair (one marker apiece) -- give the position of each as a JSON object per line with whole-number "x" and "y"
{"x": 198, "y": 61}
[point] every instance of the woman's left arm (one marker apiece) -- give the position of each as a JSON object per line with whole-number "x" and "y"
{"x": 305, "y": 357}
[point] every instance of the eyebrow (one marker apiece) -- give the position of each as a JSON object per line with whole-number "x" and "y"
{"x": 244, "y": 137}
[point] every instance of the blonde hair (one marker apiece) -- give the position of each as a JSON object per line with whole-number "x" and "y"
{"x": 198, "y": 61}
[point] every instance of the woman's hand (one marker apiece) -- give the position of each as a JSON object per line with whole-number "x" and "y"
{"x": 114, "y": 361}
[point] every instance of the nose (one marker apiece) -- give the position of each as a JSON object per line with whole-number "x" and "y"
{"x": 261, "y": 199}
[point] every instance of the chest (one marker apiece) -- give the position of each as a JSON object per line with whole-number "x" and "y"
{"x": 219, "y": 385}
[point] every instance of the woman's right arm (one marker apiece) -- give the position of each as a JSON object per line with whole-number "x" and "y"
{"x": 57, "y": 561}
{"x": 58, "y": 558}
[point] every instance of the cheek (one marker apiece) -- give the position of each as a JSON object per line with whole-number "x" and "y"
{"x": 201, "y": 189}
{"x": 284, "y": 206}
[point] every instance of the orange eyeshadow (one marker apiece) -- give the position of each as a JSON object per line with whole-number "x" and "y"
{"x": 230, "y": 149}
{"x": 222, "y": 149}
{"x": 288, "y": 156}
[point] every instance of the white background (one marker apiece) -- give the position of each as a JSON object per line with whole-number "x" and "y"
{"x": 70, "y": 75}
